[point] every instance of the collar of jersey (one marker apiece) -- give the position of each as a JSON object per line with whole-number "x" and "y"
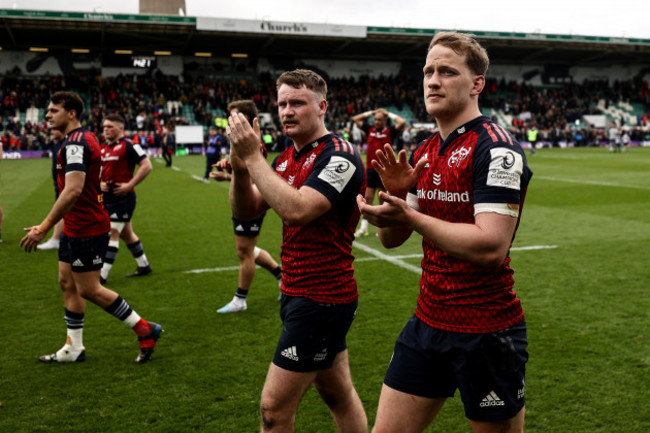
{"x": 311, "y": 146}
{"x": 464, "y": 128}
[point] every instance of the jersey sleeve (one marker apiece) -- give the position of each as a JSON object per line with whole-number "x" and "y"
{"x": 338, "y": 173}
{"x": 501, "y": 173}
{"x": 77, "y": 153}
{"x": 134, "y": 152}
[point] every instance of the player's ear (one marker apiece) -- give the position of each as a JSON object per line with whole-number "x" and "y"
{"x": 479, "y": 84}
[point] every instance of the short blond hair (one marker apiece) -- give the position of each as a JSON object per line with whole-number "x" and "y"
{"x": 464, "y": 44}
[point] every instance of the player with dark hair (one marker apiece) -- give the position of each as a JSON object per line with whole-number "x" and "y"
{"x": 119, "y": 158}
{"x": 463, "y": 191}
{"x": 246, "y": 232}
{"x": 379, "y": 134}
{"x": 85, "y": 234}
{"x": 312, "y": 186}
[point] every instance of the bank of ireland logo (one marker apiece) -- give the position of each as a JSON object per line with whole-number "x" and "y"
{"x": 436, "y": 179}
{"x": 457, "y": 157}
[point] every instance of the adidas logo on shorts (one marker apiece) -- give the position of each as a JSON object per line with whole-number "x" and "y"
{"x": 492, "y": 399}
{"x": 77, "y": 263}
{"x": 291, "y": 353}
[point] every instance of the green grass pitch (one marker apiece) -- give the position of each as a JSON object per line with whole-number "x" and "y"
{"x": 584, "y": 288}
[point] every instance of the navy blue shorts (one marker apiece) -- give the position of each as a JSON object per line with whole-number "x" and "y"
{"x": 249, "y": 229}
{"x": 120, "y": 208}
{"x": 488, "y": 369}
{"x": 374, "y": 180}
{"x": 83, "y": 254}
{"x": 313, "y": 333}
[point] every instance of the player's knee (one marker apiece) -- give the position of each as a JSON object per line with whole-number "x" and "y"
{"x": 245, "y": 253}
{"x": 66, "y": 283}
{"x": 272, "y": 416}
{"x": 268, "y": 419}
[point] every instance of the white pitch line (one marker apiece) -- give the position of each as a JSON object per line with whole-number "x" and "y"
{"x": 405, "y": 256}
{"x": 534, "y": 247}
{"x": 200, "y": 271}
{"x": 376, "y": 255}
{"x": 390, "y": 259}
{"x": 591, "y": 182}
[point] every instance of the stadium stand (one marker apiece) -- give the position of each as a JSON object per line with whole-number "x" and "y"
{"x": 529, "y": 83}
{"x": 149, "y": 102}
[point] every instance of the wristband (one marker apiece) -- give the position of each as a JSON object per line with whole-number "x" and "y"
{"x": 43, "y": 227}
{"x": 392, "y": 116}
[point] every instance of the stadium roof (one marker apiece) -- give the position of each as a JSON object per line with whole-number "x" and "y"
{"x": 144, "y": 34}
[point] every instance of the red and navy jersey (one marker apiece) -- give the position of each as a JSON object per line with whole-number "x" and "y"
{"x": 317, "y": 257}
{"x": 80, "y": 151}
{"x": 479, "y": 163}
{"x": 119, "y": 160}
{"x": 376, "y": 140}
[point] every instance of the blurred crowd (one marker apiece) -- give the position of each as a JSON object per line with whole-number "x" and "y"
{"x": 149, "y": 102}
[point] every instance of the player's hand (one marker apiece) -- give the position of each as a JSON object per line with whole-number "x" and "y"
{"x": 396, "y": 173}
{"x": 219, "y": 176}
{"x": 244, "y": 139}
{"x": 223, "y": 164}
{"x": 31, "y": 240}
{"x": 122, "y": 189}
{"x": 392, "y": 212}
